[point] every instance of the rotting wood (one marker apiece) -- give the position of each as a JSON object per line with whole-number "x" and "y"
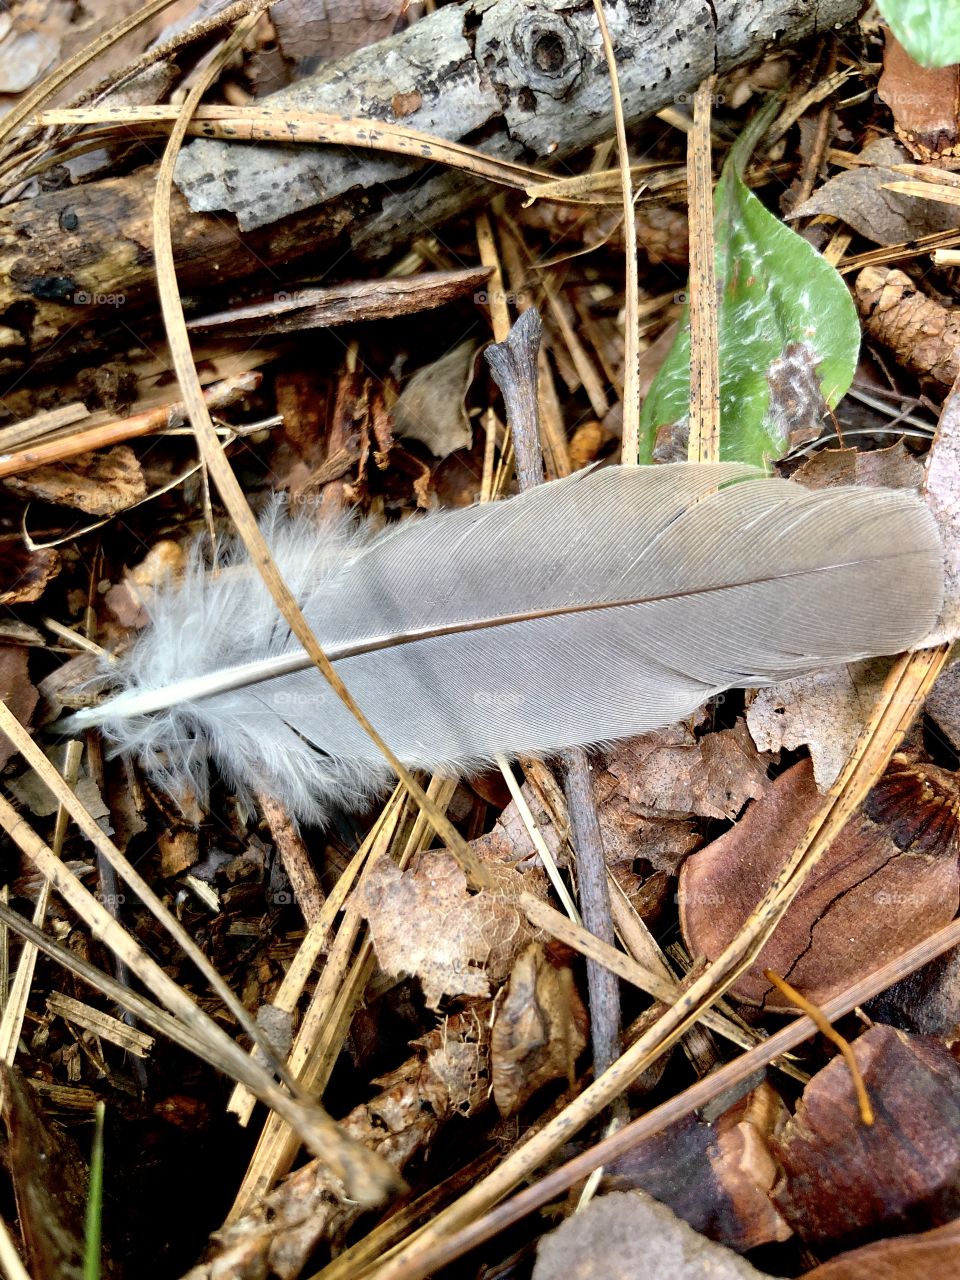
{"x": 538, "y": 85}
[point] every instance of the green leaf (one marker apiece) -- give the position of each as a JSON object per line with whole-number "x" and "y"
{"x": 788, "y": 328}
{"x": 929, "y": 30}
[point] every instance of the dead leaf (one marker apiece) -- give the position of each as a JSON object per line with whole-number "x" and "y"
{"x": 99, "y": 484}
{"x": 889, "y": 880}
{"x": 17, "y": 692}
{"x": 943, "y": 705}
{"x": 843, "y": 1180}
{"x": 824, "y": 712}
{"x": 859, "y": 197}
{"x": 716, "y": 1177}
{"x": 608, "y": 1239}
{"x": 892, "y": 468}
{"x": 924, "y": 102}
{"x": 927, "y": 1002}
{"x": 539, "y": 1029}
{"x": 311, "y": 32}
{"x": 430, "y": 407}
{"x": 671, "y": 774}
{"x": 424, "y": 922}
{"x": 24, "y": 574}
{"x": 929, "y": 1253}
{"x": 129, "y": 600}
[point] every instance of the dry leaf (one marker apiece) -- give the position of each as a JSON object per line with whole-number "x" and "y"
{"x": 716, "y": 1177}
{"x": 627, "y": 1235}
{"x": 889, "y": 880}
{"x": 930, "y": 1253}
{"x": 892, "y": 468}
{"x": 671, "y": 774}
{"x": 128, "y": 600}
{"x": 843, "y": 1180}
{"x": 539, "y": 1029}
{"x": 927, "y": 1002}
{"x": 311, "y": 32}
{"x": 824, "y": 712}
{"x": 17, "y": 692}
{"x": 24, "y": 574}
{"x": 858, "y": 197}
{"x": 424, "y": 922}
{"x": 430, "y": 407}
{"x": 924, "y": 102}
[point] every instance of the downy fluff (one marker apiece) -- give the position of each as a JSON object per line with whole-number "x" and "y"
{"x": 650, "y": 590}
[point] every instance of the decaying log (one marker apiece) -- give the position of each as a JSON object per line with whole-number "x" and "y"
{"x": 526, "y": 80}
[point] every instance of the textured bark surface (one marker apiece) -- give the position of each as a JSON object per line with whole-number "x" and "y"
{"x": 533, "y": 77}
{"x": 529, "y": 79}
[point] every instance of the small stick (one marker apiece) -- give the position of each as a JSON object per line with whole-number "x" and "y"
{"x": 514, "y": 365}
{"x": 161, "y": 418}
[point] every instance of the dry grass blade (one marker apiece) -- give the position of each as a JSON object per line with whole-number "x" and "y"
{"x": 369, "y": 1177}
{"x": 630, "y": 447}
{"x": 277, "y": 1145}
{"x": 32, "y": 101}
{"x": 658, "y": 985}
{"x": 88, "y": 826}
{"x": 407, "y": 1265}
{"x": 19, "y": 992}
{"x": 704, "y": 439}
{"x": 274, "y": 124}
{"x": 925, "y": 190}
{"x": 219, "y": 468}
{"x": 295, "y": 979}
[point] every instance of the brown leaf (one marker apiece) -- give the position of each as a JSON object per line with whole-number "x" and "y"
{"x": 129, "y": 600}
{"x": 424, "y": 922}
{"x": 25, "y": 574}
{"x": 845, "y": 1181}
{"x": 670, "y": 774}
{"x": 430, "y": 407}
{"x": 892, "y": 468}
{"x": 716, "y": 1177}
{"x": 824, "y": 712}
{"x": 539, "y": 1029}
{"x": 858, "y": 197}
{"x": 943, "y": 705}
{"x": 16, "y": 691}
{"x": 889, "y": 880}
{"x": 929, "y": 1253}
{"x": 608, "y": 1239}
{"x": 311, "y": 32}
{"x": 924, "y": 102}
{"x": 100, "y": 483}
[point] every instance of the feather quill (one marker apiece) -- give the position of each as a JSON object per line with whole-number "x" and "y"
{"x": 586, "y": 610}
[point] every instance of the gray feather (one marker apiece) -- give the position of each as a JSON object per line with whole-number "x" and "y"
{"x": 586, "y": 610}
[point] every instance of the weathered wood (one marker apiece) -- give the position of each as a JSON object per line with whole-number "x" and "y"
{"x": 76, "y": 266}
